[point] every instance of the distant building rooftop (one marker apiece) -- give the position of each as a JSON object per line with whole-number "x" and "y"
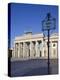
{"x": 28, "y": 32}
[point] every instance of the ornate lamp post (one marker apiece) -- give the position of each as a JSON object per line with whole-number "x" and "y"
{"x": 48, "y": 24}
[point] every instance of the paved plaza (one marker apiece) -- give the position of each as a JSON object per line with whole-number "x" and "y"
{"x": 33, "y": 67}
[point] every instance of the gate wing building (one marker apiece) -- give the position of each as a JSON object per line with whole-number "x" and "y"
{"x": 31, "y": 46}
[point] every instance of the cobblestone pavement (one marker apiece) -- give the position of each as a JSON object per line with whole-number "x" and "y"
{"x": 33, "y": 67}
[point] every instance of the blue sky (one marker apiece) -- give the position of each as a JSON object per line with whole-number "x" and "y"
{"x": 28, "y": 17}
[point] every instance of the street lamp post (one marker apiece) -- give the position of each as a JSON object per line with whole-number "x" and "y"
{"x": 48, "y": 24}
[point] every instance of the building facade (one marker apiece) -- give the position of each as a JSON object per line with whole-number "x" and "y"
{"x": 29, "y": 46}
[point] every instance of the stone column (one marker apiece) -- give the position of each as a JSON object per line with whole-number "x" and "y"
{"x": 37, "y": 49}
{"x": 31, "y": 51}
{"x": 45, "y": 50}
{"x": 24, "y": 50}
{"x": 27, "y": 48}
{"x": 42, "y": 48}
{"x": 21, "y": 50}
{"x": 57, "y": 50}
{"x": 16, "y": 50}
{"x": 13, "y": 54}
{"x": 50, "y": 50}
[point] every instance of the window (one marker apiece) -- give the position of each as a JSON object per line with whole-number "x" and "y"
{"x": 53, "y": 45}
